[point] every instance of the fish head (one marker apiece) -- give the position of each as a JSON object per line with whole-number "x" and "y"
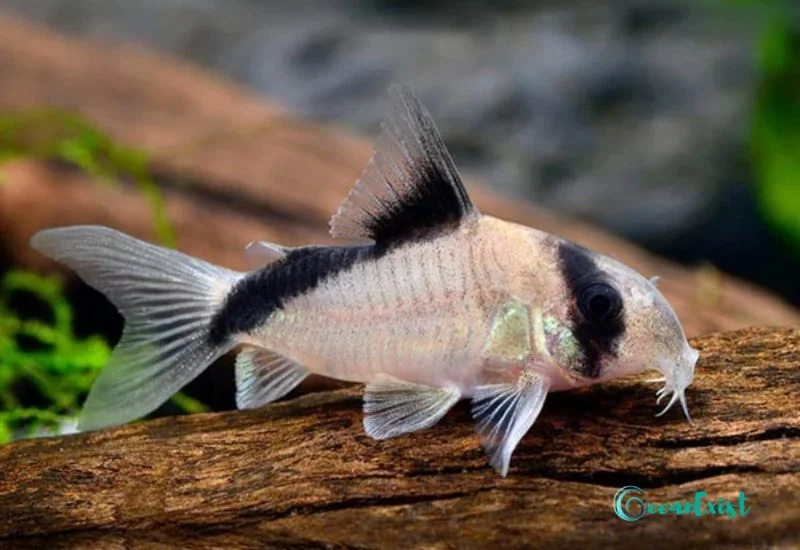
{"x": 624, "y": 324}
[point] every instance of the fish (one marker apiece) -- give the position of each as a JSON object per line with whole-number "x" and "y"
{"x": 425, "y": 301}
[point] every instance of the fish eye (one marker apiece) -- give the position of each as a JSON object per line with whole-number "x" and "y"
{"x": 600, "y": 303}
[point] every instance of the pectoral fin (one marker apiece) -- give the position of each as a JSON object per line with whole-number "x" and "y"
{"x": 504, "y": 413}
{"x": 393, "y": 407}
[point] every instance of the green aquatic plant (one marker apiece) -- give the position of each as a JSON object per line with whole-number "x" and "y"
{"x": 52, "y": 134}
{"x": 775, "y": 131}
{"x": 774, "y": 138}
{"x": 45, "y": 368}
{"x": 43, "y": 355}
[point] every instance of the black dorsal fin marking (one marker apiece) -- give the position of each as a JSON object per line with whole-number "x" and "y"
{"x": 410, "y": 189}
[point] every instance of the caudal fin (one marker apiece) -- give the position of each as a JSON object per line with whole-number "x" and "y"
{"x": 168, "y": 300}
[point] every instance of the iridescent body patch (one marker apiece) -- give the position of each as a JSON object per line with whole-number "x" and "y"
{"x": 509, "y": 338}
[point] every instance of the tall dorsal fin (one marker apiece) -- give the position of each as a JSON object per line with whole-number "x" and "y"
{"x": 410, "y": 188}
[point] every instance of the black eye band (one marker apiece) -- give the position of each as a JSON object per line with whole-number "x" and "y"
{"x": 596, "y": 311}
{"x": 600, "y": 303}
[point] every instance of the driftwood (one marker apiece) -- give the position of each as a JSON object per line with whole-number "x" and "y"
{"x": 303, "y": 473}
{"x": 235, "y": 170}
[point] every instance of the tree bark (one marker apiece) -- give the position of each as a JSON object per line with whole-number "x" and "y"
{"x": 235, "y": 169}
{"x": 303, "y": 472}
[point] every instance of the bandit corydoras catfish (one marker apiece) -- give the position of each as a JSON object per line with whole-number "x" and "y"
{"x": 428, "y": 303}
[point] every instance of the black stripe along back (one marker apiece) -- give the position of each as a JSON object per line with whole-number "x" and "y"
{"x": 260, "y": 293}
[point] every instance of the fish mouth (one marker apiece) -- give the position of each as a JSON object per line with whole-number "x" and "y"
{"x": 676, "y": 380}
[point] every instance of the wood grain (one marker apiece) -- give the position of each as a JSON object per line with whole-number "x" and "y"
{"x": 303, "y": 472}
{"x": 236, "y": 169}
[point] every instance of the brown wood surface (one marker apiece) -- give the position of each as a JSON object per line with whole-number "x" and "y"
{"x": 303, "y": 472}
{"x": 237, "y": 169}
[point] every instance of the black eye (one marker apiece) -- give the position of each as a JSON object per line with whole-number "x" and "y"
{"x": 600, "y": 303}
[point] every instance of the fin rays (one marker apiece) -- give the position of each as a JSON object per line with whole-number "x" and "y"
{"x": 410, "y": 187}
{"x": 263, "y": 376}
{"x": 393, "y": 407}
{"x": 504, "y": 413}
{"x": 168, "y": 300}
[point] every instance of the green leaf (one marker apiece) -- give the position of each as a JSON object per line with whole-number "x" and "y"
{"x": 775, "y": 132}
{"x": 52, "y": 134}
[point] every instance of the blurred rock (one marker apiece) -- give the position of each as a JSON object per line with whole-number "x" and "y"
{"x": 631, "y": 114}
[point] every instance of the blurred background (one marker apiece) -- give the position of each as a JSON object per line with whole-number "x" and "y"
{"x": 673, "y": 124}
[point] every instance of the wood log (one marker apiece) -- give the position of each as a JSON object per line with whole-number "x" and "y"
{"x": 235, "y": 169}
{"x": 302, "y": 472}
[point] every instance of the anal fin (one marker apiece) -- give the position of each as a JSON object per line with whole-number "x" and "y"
{"x": 263, "y": 376}
{"x": 505, "y": 412}
{"x": 393, "y": 407}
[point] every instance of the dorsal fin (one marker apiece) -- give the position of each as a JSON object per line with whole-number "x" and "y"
{"x": 410, "y": 188}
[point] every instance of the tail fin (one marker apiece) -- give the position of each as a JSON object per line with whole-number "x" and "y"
{"x": 168, "y": 300}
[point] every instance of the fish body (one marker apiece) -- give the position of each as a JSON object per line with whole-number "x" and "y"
{"x": 422, "y": 312}
{"x": 427, "y": 302}
{"x": 438, "y": 312}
